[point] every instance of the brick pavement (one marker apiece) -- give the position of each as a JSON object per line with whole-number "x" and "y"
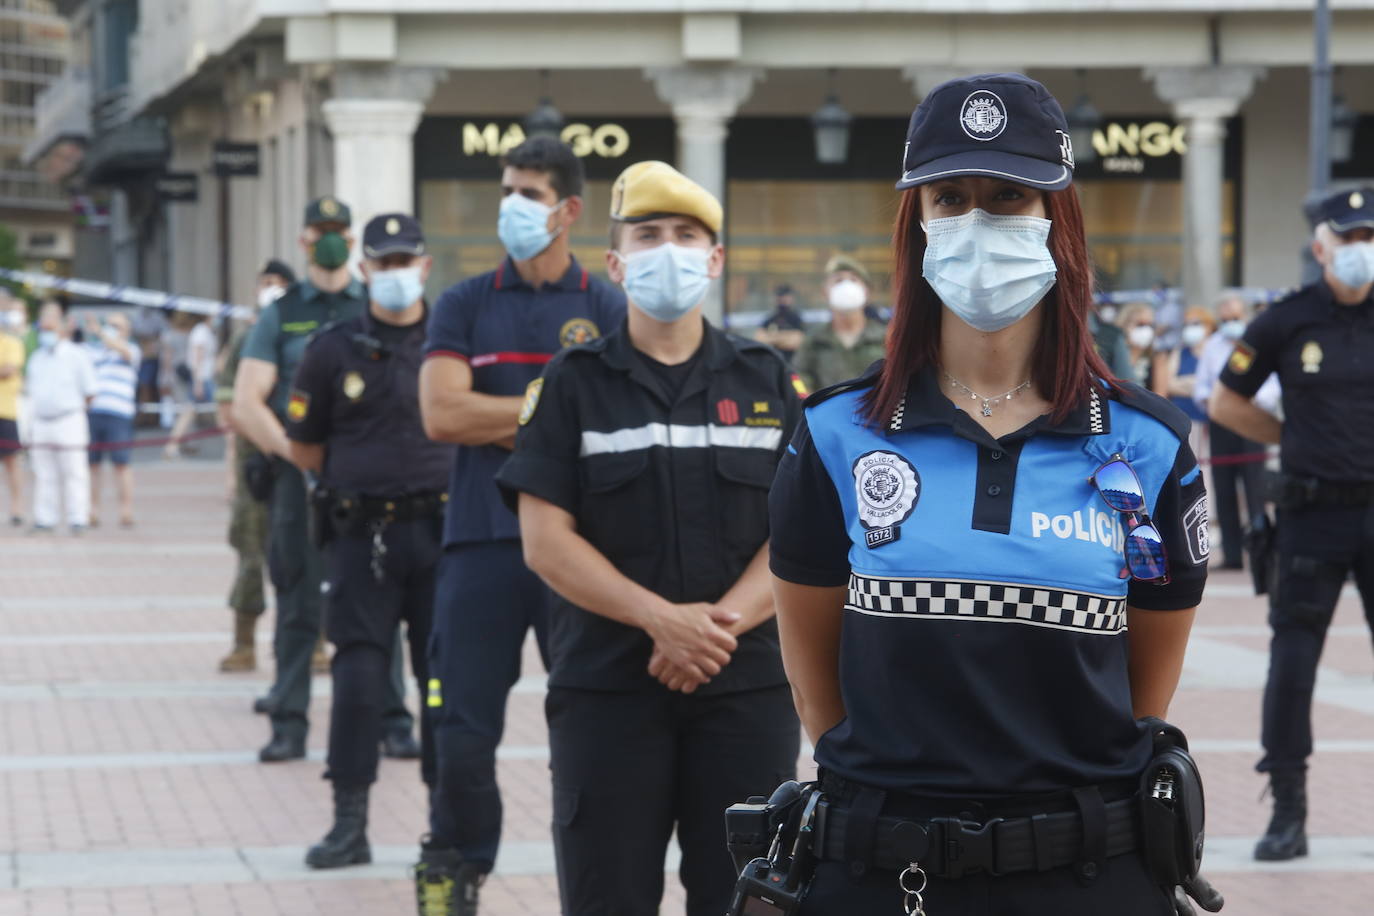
{"x": 129, "y": 784}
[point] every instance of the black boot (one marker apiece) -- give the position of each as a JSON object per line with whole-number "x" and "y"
{"x": 1286, "y": 837}
{"x": 445, "y": 885}
{"x": 346, "y": 842}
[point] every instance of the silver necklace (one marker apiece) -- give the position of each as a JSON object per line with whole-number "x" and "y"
{"x": 988, "y": 403}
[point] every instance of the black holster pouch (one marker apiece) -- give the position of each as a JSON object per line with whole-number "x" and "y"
{"x": 1171, "y": 808}
{"x": 322, "y": 522}
{"x": 1261, "y": 540}
{"x": 259, "y": 476}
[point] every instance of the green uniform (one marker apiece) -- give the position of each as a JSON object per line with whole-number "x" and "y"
{"x": 295, "y": 565}
{"x": 248, "y": 519}
{"x": 823, "y": 360}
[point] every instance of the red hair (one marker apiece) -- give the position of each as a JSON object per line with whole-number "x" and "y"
{"x": 1065, "y": 363}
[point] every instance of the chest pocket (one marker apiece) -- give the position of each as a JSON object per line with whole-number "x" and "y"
{"x": 744, "y": 478}
{"x": 619, "y": 505}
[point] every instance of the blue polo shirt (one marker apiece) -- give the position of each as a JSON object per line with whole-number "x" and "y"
{"x": 507, "y": 331}
{"x": 984, "y": 646}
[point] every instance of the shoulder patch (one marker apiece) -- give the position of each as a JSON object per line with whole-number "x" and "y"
{"x": 1242, "y": 358}
{"x": 532, "y": 392}
{"x": 298, "y": 406}
{"x": 1147, "y": 402}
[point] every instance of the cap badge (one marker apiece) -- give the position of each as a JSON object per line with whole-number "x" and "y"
{"x": 393, "y": 226}
{"x": 1065, "y": 148}
{"x": 328, "y": 207}
{"x": 983, "y": 116}
{"x": 1356, "y": 200}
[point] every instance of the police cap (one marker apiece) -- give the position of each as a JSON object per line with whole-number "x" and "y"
{"x": 997, "y": 125}
{"x": 1347, "y": 210}
{"x": 392, "y": 233}
{"x": 328, "y": 210}
{"x": 650, "y": 190}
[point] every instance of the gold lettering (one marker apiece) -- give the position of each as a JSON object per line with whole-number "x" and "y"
{"x": 611, "y": 141}
{"x": 515, "y": 135}
{"x": 1156, "y": 139}
{"x": 579, "y": 137}
{"x": 1123, "y": 139}
{"x": 1181, "y": 139}
{"x": 481, "y": 142}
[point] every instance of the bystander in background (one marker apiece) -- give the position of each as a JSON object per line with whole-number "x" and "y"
{"x": 1137, "y": 320}
{"x": 60, "y": 382}
{"x": 116, "y": 358}
{"x": 12, "y": 355}
{"x": 851, "y": 341}
{"x": 783, "y": 328}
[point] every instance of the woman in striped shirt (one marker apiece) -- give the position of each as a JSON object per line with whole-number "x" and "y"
{"x": 116, "y": 359}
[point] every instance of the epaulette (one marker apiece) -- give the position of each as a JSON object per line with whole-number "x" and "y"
{"x": 1151, "y": 404}
{"x": 324, "y": 329}
{"x": 867, "y": 380}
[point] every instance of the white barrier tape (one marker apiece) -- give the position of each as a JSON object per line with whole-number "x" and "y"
{"x": 133, "y": 295}
{"x": 178, "y": 407}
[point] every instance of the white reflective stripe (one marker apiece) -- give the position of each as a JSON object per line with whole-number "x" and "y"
{"x": 676, "y": 436}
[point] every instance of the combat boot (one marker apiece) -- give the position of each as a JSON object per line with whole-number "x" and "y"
{"x": 1286, "y": 837}
{"x": 346, "y": 841}
{"x": 242, "y": 656}
{"x": 445, "y": 885}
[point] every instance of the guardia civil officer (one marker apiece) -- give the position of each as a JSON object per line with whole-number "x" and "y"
{"x": 270, "y": 356}
{"x": 354, "y": 420}
{"x": 1318, "y": 340}
{"x": 948, "y": 539}
{"x": 642, "y": 474}
{"x": 489, "y": 337}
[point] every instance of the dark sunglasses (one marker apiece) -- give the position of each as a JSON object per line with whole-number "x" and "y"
{"x": 1119, "y": 486}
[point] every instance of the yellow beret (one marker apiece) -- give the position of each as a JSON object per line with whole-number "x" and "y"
{"x": 649, "y": 190}
{"x": 847, "y": 262}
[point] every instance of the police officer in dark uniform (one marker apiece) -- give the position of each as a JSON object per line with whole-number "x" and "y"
{"x": 354, "y": 420}
{"x": 1319, "y": 340}
{"x": 642, "y": 473}
{"x": 270, "y": 355}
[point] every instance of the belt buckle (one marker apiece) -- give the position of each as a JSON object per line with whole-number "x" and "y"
{"x": 968, "y": 846}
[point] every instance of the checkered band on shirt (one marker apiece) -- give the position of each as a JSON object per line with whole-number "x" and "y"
{"x": 995, "y": 602}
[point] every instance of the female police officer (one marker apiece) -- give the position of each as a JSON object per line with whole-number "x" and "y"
{"x": 948, "y": 569}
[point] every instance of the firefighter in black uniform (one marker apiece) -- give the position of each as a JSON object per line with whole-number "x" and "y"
{"x": 354, "y": 420}
{"x": 1319, "y": 341}
{"x": 642, "y": 471}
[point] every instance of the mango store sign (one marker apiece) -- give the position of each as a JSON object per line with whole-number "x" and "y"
{"x": 1125, "y": 147}
{"x": 602, "y": 141}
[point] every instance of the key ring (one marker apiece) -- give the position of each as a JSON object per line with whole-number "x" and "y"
{"x": 912, "y": 902}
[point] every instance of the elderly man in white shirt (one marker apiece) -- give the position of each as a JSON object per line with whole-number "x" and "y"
{"x": 60, "y": 382}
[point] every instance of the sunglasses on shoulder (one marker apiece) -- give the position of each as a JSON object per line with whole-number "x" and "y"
{"x": 1119, "y": 486}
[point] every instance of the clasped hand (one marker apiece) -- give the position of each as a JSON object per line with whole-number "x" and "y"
{"x": 692, "y": 643}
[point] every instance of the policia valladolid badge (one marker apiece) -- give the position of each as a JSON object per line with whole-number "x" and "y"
{"x": 887, "y": 488}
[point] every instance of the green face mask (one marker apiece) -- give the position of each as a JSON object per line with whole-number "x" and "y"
{"x": 330, "y": 251}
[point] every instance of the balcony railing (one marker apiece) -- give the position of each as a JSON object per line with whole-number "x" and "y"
{"x": 27, "y": 190}
{"x": 63, "y": 110}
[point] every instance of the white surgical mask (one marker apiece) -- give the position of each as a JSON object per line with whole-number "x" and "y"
{"x": 269, "y": 294}
{"x": 666, "y": 282}
{"x": 1233, "y": 329}
{"x": 523, "y": 226}
{"x": 1107, "y": 314}
{"x": 1141, "y": 336}
{"x": 1193, "y": 334}
{"x": 398, "y": 289}
{"x": 47, "y": 339}
{"x": 989, "y": 270}
{"x": 1353, "y": 264}
{"x": 847, "y": 295}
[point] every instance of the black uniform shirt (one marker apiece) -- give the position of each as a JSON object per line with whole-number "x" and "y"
{"x": 357, "y": 391}
{"x": 674, "y": 494}
{"x": 1324, "y": 355}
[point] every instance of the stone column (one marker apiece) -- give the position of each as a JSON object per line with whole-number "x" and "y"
{"x": 703, "y": 100}
{"x": 373, "y": 115}
{"x": 1203, "y": 98}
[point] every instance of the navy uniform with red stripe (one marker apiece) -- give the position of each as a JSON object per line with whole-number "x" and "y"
{"x": 486, "y": 599}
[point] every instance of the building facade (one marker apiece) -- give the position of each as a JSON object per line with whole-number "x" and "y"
{"x": 1194, "y": 176}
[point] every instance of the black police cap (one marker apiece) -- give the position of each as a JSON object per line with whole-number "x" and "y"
{"x": 1347, "y": 210}
{"x": 392, "y": 233}
{"x": 281, "y": 269}
{"x": 997, "y": 125}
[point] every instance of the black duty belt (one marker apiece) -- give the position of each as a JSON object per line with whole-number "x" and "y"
{"x": 354, "y": 507}
{"x": 948, "y": 847}
{"x": 1297, "y": 492}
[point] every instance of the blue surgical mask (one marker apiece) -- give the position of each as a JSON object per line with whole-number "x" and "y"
{"x": 396, "y": 290}
{"x": 989, "y": 270}
{"x": 523, "y": 226}
{"x": 47, "y": 339}
{"x": 1233, "y": 329}
{"x": 1353, "y": 264}
{"x": 666, "y": 282}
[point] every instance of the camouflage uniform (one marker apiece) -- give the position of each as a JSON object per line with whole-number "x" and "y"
{"x": 823, "y": 360}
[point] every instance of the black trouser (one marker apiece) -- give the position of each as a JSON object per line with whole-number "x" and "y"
{"x": 1226, "y": 476}
{"x": 296, "y": 567}
{"x": 1318, "y": 548}
{"x": 627, "y": 767}
{"x": 362, "y": 620}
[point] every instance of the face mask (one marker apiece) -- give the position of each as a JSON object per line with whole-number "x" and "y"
{"x": 989, "y": 270}
{"x": 396, "y": 290}
{"x": 269, "y": 294}
{"x": 847, "y": 295}
{"x": 1233, "y": 329}
{"x": 1141, "y": 336}
{"x": 47, "y": 339}
{"x": 1193, "y": 334}
{"x": 1107, "y": 314}
{"x": 666, "y": 282}
{"x": 1353, "y": 264}
{"x": 330, "y": 251}
{"x": 14, "y": 320}
{"x": 523, "y": 226}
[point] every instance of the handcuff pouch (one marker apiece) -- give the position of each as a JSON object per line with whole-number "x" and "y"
{"x": 1171, "y": 808}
